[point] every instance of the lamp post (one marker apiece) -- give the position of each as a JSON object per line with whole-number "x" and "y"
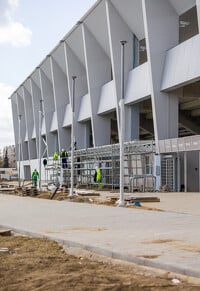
{"x": 72, "y": 137}
{"x": 122, "y": 123}
{"x": 40, "y": 145}
{"x": 19, "y": 149}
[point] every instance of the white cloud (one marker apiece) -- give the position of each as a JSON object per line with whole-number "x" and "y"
{"x": 12, "y": 32}
{"x": 6, "y": 123}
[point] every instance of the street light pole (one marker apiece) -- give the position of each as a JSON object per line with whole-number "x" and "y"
{"x": 19, "y": 150}
{"x": 40, "y": 145}
{"x": 72, "y": 137}
{"x": 122, "y": 123}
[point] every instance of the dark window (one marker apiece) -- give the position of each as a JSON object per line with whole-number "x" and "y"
{"x": 188, "y": 24}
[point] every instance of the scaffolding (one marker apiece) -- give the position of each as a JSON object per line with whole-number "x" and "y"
{"x": 138, "y": 161}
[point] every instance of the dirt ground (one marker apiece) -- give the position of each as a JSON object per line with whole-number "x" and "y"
{"x": 40, "y": 264}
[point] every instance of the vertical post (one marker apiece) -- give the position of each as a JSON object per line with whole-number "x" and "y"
{"x": 40, "y": 145}
{"x": 199, "y": 167}
{"x": 19, "y": 151}
{"x": 72, "y": 137}
{"x": 178, "y": 173}
{"x": 185, "y": 170}
{"x": 122, "y": 123}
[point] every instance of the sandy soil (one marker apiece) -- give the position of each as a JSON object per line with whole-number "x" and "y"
{"x": 40, "y": 264}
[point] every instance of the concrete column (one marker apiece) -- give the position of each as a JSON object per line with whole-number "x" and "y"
{"x": 15, "y": 121}
{"x": 48, "y": 104}
{"x": 98, "y": 70}
{"x": 161, "y": 24}
{"x": 61, "y": 98}
{"x": 36, "y": 97}
{"x": 118, "y": 31}
{"x": 30, "y": 122}
{"x": 75, "y": 68}
{"x": 21, "y": 110}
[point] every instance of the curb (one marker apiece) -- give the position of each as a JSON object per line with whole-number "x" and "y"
{"x": 114, "y": 255}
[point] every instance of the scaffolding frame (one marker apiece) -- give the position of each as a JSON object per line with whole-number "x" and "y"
{"x": 108, "y": 159}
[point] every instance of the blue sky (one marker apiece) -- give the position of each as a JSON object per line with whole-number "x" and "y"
{"x": 29, "y": 30}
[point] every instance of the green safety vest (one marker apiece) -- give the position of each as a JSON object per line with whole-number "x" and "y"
{"x": 55, "y": 156}
{"x": 98, "y": 176}
{"x": 35, "y": 174}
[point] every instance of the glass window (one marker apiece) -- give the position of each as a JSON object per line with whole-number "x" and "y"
{"x": 142, "y": 52}
{"x": 188, "y": 24}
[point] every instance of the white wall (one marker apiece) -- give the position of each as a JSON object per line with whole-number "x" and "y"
{"x": 182, "y": 64}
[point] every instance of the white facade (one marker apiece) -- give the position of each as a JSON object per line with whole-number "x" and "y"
{"x": 162, "y": 79}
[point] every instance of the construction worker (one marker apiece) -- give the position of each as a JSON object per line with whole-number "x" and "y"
{"x": 97, "y": 175}
{"x": 35, "y": 176}
{"x": 55, "y": 156}
{"x": 64, "y": 155}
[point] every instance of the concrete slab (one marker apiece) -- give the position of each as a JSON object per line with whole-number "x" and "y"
{"x": 166, "y": 240}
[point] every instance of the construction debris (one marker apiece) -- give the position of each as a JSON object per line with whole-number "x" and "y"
{"x": 5, "y": 232}
{"x": 29, "y": 191}
{"x": 145, "y": 199}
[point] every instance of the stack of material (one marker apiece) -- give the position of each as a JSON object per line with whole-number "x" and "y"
{"x": 29, "y": 191}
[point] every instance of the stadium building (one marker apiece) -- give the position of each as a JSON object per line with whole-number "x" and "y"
{"x": 161, "y": 80}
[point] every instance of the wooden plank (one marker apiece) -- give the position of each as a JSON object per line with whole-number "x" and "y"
{"x": 145, "y": 199}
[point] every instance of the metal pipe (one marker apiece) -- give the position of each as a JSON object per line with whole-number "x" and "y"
{"x": 122, "y": 123}
{"x": 72, "y": 137}
{"x": 40, "y": 140}
{"x": 199, "y": 171}
{"x": 19, "y": 151}
{"x": 185, "y": 170}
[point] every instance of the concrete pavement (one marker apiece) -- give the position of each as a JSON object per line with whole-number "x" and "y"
{"x": 161, "y": 239}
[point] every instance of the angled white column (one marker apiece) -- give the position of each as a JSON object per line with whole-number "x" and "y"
{"x": 48, "y": 104}
{"x": 98, "y": 73}
{"x": 162, "y": 33}
{"x": 21, "y": 110}
{"x": 198, "y": 12}
{"x": 30, "y": 120}
{"x": 15, "y": 116}
{"x": 75, "y": 68}
{"x": 118, "y": 31}
{"x": 36, "y": 97}
{"x": 61, "y": 97}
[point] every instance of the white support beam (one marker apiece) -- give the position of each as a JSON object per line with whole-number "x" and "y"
{"x": 198, "y": 12}
{"x": 75, "y": 68}
{"x": 98, "y": 68}
{"x": 118, "y": 31}
{"x": 162, "y": 33}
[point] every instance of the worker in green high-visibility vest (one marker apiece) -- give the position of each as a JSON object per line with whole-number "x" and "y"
{"x": 35, "y": 176}
{"x": 55, "y": 156}
{"x": 97, "y": 175}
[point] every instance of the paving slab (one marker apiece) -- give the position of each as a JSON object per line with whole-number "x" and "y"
{"x": 162, "y": 239}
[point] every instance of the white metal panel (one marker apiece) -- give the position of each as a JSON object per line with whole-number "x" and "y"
{"x": 68, "y": 116}
{"x": 33, "y": 133}
{"x": 107, "y": 100}
{"x": 85, "y": 108}
{"x": 138, "y": 85}
{"x": 182, "y": 64}
{"x": 54, "y": 123}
